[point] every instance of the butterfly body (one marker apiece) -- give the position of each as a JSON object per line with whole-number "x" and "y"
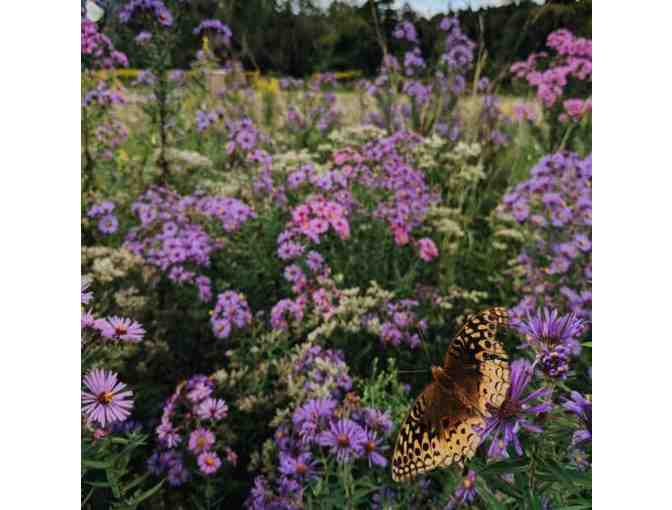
{"x": 441, "y": 428}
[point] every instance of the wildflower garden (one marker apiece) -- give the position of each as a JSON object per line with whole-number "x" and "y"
{"x": 272, "y": 265}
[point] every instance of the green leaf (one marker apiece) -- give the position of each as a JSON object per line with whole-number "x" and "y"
{"x": 131, "y": 485}
{"x": 507, "y": 466}
{"x": 98, "y": 464}
{"x": 140, "y": 497}
{"x": 486, "y": 495}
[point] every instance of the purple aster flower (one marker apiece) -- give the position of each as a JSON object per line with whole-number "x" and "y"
{"x": 208, "y": 463}
{"x": 311, "y": 417}
{"x": 143, "y": 38}
{"x": 583, "y": 409}
{"x": 464, "y": 493}
{"x": 212, "y": 409}
{"x": 214, "y": 26}
{"x": 315, "y": 261}
{"x": 154, "y": 465}
{"x": 546, "y": 329}
{"x": 167, "y": 434}
{"x": 105, "y": 401}
{"x": 246, "y": 139}
{"x": 201, "y": 440}
{"x": 390, "y": 335}
{"x": 314, "y": 409}
{"x": 521, "y": 210}
{"x": 301, "y": 467}
{"x": 177, "y": 475}
{"x": 230, "y": 311}
{"x": 108, "y": 224}
{"x": 101, "y": 209}
{"x": 198, "y": 388}
{"x": 506, "y": 421}
{"x": 345, "y": 439}
{"x": 372, "y": 445}
{"x": 169, "y": 459}
{"x": 119, "y": 328}
{"x": 559, "y": 265}
{"x": 283, "y": 310}
{"x": 378, "y": 420}
{"x": 582, "y": 242}
{"x": 290, "y": 250}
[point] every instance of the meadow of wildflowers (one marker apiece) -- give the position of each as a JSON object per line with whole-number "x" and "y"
{"x": 265, "y": 286}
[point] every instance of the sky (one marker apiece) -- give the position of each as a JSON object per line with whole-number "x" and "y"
{"x": 431, "y": 7}
{"x": 427, "y": 7}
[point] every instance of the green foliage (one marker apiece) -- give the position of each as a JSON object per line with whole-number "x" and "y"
{"x": 108, "y": 472}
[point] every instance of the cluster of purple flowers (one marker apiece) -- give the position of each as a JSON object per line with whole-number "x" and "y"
{"x": 110, "y": 135}
{"x": 573, "y": 60}
{"x": 400, "y": 324}
{"x": 207, "y": 118}
{"x": 107, "y": 220}
{"x": 188, "y": 434}
{"x": 109, "y": 132}
{"x": 321, "y": 429}
{"x": 459, "y": 49}
{"x": 406, "y": 31}
{"x": 103, "y": 96}
{"x": 97, "y": 50}
{"x": 325, "y": 372}
{"x": 315, "y": 217}
{"x": 315, "y": 108}
{"x": 243, "y": 136}
{"x": 154, "y": 10}
{"x": 413, "y": 62}
{"x": 432, "y": 100}
{"x": 215, "y": 27}
{"x": 410, "y": 196}
{"x": 555, "y": 205}
{"x": 308, "y": 273}
{"x": 173, "y": 237}
{"x": 328, "y": 423}
{"x": 231, "y": 312}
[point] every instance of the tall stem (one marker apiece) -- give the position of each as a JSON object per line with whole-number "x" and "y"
{"x": 162, "y": 98}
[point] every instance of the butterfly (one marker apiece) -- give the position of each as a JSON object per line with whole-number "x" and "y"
{"x": 441, "y": 428}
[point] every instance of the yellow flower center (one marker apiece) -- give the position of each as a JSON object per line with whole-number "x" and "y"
{"x": 343, "y": 440}
{"x": 105, "y": 397}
